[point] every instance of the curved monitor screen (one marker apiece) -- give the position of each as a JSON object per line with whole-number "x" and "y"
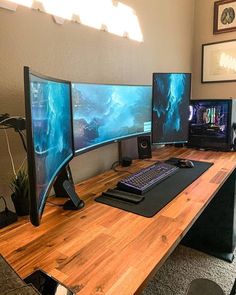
{"x": 49, "y": 135}
{"x": 170, "y": 107}
{"x": 105, "y": 113}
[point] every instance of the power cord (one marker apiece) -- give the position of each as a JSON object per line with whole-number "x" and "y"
{"x": 17, "y": 123}
{"x": 21, "y": 134}
{"x": 56, "y": 205}
{"x": 117, "y": 163}
{"x": 10, "y": 154}
{"x": 4, "y": 200}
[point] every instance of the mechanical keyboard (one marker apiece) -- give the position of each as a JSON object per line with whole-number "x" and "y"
{"x": 146, "y": 178}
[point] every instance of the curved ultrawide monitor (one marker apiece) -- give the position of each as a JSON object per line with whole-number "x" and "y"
{"x": 105, "y": 113}
{"x": 49, "y": 135}
{"x": 170, "y": 107}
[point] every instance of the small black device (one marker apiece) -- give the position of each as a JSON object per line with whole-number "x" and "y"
{"x": 183, "y": 163}
{"x": 144, "y": 147}
{"x": 124, "y": 196}
{"x": 146, "y": 178}
{"x": 46, "y": 284}
{"x": 7, "y": 217}
{"x": 18, "y": 123}
{"x": 75, "y": 203}
{"x": 126, "y": 161}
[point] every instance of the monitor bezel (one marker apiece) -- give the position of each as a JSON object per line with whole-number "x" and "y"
{"x": 190, "y": 90}
{"x": 36, "y": 207}
{"x": 114, "y": 140}
{"x": 215, "y": 100}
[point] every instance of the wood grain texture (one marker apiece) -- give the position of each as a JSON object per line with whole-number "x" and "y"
{"x": 104, "y": 250}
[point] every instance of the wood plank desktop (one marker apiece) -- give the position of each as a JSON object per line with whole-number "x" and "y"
{"x": 104, "y": 250}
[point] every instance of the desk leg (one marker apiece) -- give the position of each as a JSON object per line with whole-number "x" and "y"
{"x": 214, "y": 232}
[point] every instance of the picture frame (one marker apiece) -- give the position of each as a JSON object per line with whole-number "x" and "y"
{"x": 219, "y": 62}
{"x": 224, "y": 16}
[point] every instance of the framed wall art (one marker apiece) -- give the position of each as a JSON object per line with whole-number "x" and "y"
{"x": 224, "y": 16}
{"x": 219, "y": 62}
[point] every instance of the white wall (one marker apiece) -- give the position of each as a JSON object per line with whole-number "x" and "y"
{"x": 203, "y": 34}
{"x": 79, "y": 53}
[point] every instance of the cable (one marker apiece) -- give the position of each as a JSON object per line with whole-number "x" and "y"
{"x": 10, "y": 154}
{"x": 57, "y": 205}
{"x": 22, "y": 164}
{"x": 22, "y": 139}
{"x": 9, "y": 118}
{"x": 115, "y": 164}
{"x": 127, "y": 171}
{"x": 5, "y": 127}
{"x": 149, "y": 160}
{"x": 1, "y": 197}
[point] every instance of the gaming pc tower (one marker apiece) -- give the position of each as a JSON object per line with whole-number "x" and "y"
{"x": 212, "y": 124}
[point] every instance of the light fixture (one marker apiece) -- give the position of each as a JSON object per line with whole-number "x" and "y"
{"x": 8, "y": 5}
{"x": 12, "y": 3}
{"x": 116, "y": 17}
{"x": 64, "y": 9}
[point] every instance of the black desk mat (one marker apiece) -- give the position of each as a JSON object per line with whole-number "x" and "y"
{"x": 163, "y": 193}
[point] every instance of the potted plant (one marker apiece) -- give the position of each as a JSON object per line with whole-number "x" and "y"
{"x": 20, "y": 196}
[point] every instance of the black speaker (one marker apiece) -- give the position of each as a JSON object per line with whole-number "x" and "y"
{"x": 128, "y": 149}
{"x": 144, "y": 147}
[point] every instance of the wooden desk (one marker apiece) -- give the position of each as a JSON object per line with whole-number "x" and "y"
{"x": 104, "y": 250}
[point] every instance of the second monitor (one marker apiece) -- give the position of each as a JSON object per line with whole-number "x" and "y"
{"x": 170, "y": 107}
{"x": 104, "y": 113}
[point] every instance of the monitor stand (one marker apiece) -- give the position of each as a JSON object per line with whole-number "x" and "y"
{"x": 64, "y": 188}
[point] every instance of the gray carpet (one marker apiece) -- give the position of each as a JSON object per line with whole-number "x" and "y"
{"x": 186, "y": 264}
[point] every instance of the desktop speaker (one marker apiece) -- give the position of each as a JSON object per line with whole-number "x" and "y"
{"x": 128, "y": 149}
{"x": 144, "y": 147}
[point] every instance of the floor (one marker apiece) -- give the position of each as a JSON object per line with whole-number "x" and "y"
{"x": 186, "y": 264}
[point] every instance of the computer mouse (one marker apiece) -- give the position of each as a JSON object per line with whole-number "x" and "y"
{"x": 183, "y": 163}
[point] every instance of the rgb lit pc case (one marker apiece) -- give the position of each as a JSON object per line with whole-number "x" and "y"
{"x": 210, "y": 123}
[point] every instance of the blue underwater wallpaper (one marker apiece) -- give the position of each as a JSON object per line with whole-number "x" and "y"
{"x": 104, "y": 113}
{"x": 171, "y": 95}
{"x": 52, "y": 131}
